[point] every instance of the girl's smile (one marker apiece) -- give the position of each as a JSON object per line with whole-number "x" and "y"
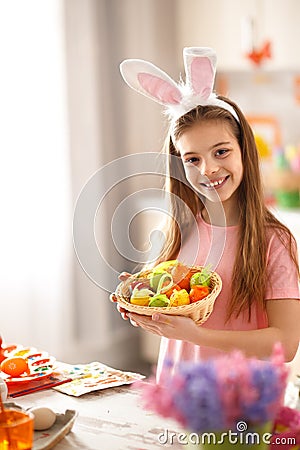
{"x": 215, "y": 184}
{"x": 212, "y": 161}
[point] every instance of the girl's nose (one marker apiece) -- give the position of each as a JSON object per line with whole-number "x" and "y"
{"x": 208, "y": 168}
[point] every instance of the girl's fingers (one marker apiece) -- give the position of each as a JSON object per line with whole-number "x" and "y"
{"x": 124, "y": 276}
{"x": 123, "y": 312}
{"x": 113, "y": 298}
{"x": 133, "y": 322}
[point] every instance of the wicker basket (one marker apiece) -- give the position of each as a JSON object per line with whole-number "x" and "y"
{"x": 198, "y": 311}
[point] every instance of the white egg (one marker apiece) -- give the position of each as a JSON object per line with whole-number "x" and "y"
{"x": 3, "y": 390}
{"x": 44, "y": 417}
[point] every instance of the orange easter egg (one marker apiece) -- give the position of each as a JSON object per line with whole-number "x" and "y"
{"x": 14, "y": 366}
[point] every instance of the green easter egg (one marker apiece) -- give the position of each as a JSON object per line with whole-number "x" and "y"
{"x": 160, "y": 300}
{"x": 155, "y": 277}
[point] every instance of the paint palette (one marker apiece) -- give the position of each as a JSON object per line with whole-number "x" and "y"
{"x": 39, "y": 363}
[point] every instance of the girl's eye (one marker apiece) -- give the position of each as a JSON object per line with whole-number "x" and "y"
{"x": 192, "y": 160}
{"x": 221, "y": 152}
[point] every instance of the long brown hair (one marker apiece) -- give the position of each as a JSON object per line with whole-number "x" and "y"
{"x": 250, "y": 267}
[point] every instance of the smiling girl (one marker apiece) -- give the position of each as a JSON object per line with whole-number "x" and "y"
{"x": 214, "y": 169}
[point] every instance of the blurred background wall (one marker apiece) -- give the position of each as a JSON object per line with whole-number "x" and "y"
{"x": 66, "y": 114}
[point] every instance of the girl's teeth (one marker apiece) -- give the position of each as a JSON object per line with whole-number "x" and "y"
{"x": 215, "y": 183}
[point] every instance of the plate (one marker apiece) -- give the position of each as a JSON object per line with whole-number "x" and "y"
{"x": 39, "y": 363}
{"x": 26, "y": 378}
{"x": 46, "y": 440}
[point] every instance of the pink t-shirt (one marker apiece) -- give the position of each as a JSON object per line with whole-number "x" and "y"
{"x": 218, "y": 246}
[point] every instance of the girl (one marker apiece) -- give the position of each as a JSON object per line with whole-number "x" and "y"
{"x": 217, "y": 164}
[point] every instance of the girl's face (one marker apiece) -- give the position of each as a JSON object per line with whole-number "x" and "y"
{"x": 212, "y": 160}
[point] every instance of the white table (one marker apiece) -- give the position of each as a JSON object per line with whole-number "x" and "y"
{"x": 111, "y": 419}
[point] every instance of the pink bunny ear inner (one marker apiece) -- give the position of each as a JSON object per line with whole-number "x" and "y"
{"x": 202, "y": 76}
{"x": 160, "y": 89}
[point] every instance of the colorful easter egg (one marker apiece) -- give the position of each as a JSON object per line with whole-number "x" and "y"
{"x": 14, "y": 366}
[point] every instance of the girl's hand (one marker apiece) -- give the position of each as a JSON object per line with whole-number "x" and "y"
{"x": 171, "y": 327}
{"x": 124, "y": 313}
{"x": 121, "y": 310}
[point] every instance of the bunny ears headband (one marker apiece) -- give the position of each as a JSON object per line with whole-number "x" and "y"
{"x": 178, "y": 99}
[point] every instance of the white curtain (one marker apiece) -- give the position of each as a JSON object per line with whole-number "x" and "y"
{"x": 105, "y": 125}
{"x": 65, "y": 113}
{"x": 35, "y": 240}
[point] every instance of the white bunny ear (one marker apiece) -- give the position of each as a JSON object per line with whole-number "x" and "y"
{"x": 150, "y": 81}
{"x": 200, "y": 69}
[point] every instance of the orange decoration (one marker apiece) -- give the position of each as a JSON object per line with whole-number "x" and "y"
{"x": 297, "y": 88}
{"x": 198, "y": 292}
{"x": 14, "y": 366}
{"x": 257, "y": 56}
{"x": 266, "y": 124}
{"x": 169, "y": 292}
{"x": 181, "y": 275}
